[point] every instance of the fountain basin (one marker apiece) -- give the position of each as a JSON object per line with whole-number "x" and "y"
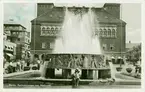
{"x": 91, "y": 66}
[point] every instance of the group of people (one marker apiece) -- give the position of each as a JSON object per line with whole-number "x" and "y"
{"x": 13, "y": 65}
{"x": 18, "y": 65}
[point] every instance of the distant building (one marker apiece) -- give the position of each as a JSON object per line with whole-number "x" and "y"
{"x": 16, "y": 33}
{"x": 49, "y": 21}
{"x": 9, "y": 48}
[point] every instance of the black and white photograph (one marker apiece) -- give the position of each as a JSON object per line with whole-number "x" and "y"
{"x": 72, "y": 46}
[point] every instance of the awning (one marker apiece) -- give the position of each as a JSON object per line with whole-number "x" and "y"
{"x": 10, "y": 55}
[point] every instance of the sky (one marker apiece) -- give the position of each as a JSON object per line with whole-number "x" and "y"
{"x": 23, "y": 13}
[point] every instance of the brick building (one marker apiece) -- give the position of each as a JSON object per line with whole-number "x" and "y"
{"x": 16, "y": 33}
{"x": 49, "y": 21}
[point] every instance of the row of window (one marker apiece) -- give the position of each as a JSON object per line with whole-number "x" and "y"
{"x": 8, "y": 48}
{"x": 9, "y": 33}
{"x": 49, "y": 33}
{"x": 51, "y": 46}
{"x": 104, "y": 33}
{"x": 101, "y": 32}
{"x": 95, "y": 28}
{"x": 51, "y": 28}
{"x": 14, "y": 28}
{"x": 111, "y": 47}
{"x": 45, "y": 6}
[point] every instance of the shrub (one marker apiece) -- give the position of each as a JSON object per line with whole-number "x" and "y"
{"x": 119, "y": 68}
{"x": 129, "y": 70}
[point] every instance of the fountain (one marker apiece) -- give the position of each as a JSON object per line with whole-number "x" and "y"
{"x": 77, "y": 46}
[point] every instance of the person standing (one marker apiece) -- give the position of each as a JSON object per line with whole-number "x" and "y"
{"x": 43, "y": 66}
{"x": 22, "y": 64}
{"x": 18, "y": 65}
{"x": 37, "y": 61}
{"x": 6, "y": 69}
{"x": 138, "y": 67}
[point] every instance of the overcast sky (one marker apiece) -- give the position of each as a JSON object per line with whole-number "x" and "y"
{"x": 23, "y": 13}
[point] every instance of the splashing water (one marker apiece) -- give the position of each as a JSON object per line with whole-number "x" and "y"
{"x": 77, "y": 35}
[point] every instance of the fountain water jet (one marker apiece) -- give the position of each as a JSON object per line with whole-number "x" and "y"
{"x": 77, "y": 34}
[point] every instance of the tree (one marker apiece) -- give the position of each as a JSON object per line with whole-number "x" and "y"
{"x": 134, "y": 54}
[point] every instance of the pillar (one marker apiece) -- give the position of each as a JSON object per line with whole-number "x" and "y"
{"x": 90, "y": 74}
{"x": 95, "y": 74}
{"x": 66, "y": 73}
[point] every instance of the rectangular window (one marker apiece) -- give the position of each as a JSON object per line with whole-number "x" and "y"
{"x": 43, "y": 45}
{"x": 104, "y": 46}
{"x": 51, "y": 45}
{"x": 111, "y": 47}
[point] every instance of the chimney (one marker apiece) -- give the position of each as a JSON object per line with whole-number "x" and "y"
{"x": 43, "y": 7}
{"x": 113, "y": 9}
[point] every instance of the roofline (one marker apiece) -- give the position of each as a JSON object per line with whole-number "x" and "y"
{"x": 100, "y": 8}
{"x": 18, "y": 31}
{"x": 45, "y": 3}
{"x": 115, "y": 17}
{"x": 14, "y": 24}
{"x": 114, "y": 4}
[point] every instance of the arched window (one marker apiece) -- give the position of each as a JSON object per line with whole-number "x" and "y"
{"x": 48, "y": 28}
{"x": 56, "y": 28}
{"x": 113, "y": 32}
{"x": 101, "y": 33}
{"x": 52, "y": 28}
{"x": 43, "y": 28}
{"x": 105, "y": 33}
{"x": 109, "y": 32}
